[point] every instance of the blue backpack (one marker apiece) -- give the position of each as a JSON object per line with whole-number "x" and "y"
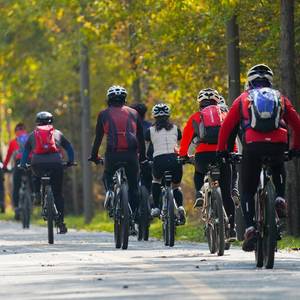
{"x": 266, "y": 108}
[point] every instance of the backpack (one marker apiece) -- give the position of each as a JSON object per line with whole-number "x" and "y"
{"x": 208, "y": 129}
{"x": 265, "y": 109}
{"x": 21, "y": 140}
{"x": 44, "y": 140}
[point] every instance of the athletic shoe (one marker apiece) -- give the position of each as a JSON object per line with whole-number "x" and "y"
{"x": 281, "y": 207}
{"x": 155, "y": 212}
{"x": 199, "y": 199}
{"x": 182, "y": 215}
{"x": 62, "y": 228}
{"x": 249, "y": 239}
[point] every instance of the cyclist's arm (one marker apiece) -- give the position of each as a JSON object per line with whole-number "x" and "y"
{"x": 231, "y": 121}
{"x": 141, "y": 141}
{"x": 13, "y": 146}
{"x": 98, "y": 137}
{"x": 27, "y": 150}
{"x": 68, "y": 147}
{"x": 291, "y": 117}
{"x": 188, "y": 134}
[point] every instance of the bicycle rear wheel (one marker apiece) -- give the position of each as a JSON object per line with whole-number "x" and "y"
{"x": 259, "y": 255}
{"x": 270, "y": 229}
{"x": 144, "y": 215}
{"x": 26, "y": 210}
{"x": 217, "y": 203}
{"x": 50, "y": 213}
{"x": 124, "y": 216}
{"x": 171, "y": 218}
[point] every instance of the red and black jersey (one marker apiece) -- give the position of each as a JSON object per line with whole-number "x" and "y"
{"x": 123, "y": 129}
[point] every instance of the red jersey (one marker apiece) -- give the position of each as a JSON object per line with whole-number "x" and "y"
{"x": 239, "y": 114}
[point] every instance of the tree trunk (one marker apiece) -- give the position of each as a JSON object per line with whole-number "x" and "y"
{"x": 233, "y": 59}
{"x": 85, "y": 133}
{"x": 288, "y": 85}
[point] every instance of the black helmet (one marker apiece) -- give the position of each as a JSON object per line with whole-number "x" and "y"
{"x": 141, "y": 108}
{"x": 116, "y": 93}
{"x": 44, "y": 118}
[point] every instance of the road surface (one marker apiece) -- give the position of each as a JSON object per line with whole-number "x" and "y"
{"x": 82, "y": 265}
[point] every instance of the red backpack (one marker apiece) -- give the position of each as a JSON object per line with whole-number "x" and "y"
{"x": 208, "y": 129}
{"x": 44, "y": 140}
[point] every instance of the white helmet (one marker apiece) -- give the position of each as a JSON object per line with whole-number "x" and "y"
{"x": 208, "y": 94}
{"x": 260, "y": 71}
{"x": 161, "y": 110}
{"x": 116, "y": 90}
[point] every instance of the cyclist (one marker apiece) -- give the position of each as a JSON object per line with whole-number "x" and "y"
{"x": 204, "y": 126}
{"x": 262, "y": 113}
{"x": 2, "y": 200}
{"x": 146, "y": 171}
{"x": 164, "y": 136}
{"x": 46, "y": 143}
{"x": 125, "y": 139}
{"x": 14, "y": 151}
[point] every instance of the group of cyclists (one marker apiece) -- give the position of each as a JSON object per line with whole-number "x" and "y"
{"x": 261, "y": 117}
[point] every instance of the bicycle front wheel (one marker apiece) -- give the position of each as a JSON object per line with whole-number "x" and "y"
{"x": 217, "y": 203}
{"x": 269, "y": 238}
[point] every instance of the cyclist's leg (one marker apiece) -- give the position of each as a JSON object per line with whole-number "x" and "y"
{"x": 146, "y": 172}
{"x": 132, "y": 173}
{"x": 202, "y": 161}
{"x": 225, "y": 184}
{"x": 250, "y": 170}
{"x": 176, "y": 181}
{"x": 17, "y": 178}
{"x": 234, "y": 181}
{"x": 56, "y": 180}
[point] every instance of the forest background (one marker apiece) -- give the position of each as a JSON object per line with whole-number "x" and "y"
{"x": 57, "y": 55}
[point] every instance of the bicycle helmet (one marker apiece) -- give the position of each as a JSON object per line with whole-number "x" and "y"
{"x": 260, "y": 74}
{"x": 116, "y": 93}
{"x": 44, "y": 118}
{"x": 141, "y": 108}
{"x": 208, "y": 94}
{"x": 161, "y": 110}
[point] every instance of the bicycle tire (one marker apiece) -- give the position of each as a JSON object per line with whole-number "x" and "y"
{"x": 50, "y": 214}
{"x": 171, "y": 217}
{"x": 211, "y": 239}
{"x": 124, "y": 216}
{"x": 259, "y": 255}
{"x": 209, "y": 231}
{"x": 240, "y": 223}
{"x": 26, "y": 210}
{"x": 144, "y": 215}
{"x": 117, "y": 221}
{"x": 269, "y": 239}
{"x": 219, "y": 225}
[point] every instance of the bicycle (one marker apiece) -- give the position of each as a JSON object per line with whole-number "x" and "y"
{"x": 25, "y": 199}
{"x": 118, "y": 206}
{"x": 212, "y": 212}
{"x": 266, "y": 219}
{"x": 169, "y": 215}
{"x": 49, "y": 210}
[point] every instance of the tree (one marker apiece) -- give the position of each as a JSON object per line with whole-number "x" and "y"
{"x": 288, "y": 84}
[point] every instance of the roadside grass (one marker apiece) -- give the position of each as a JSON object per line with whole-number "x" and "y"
{"x": 192, "y": 231}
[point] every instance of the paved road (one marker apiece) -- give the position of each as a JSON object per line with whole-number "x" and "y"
{"x": 86, "y": 266}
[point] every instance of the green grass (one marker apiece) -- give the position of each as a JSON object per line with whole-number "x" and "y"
{"x": 191, "y": 231}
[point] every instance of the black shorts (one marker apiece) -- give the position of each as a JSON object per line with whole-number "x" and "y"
{"x": 167, "y": 162}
